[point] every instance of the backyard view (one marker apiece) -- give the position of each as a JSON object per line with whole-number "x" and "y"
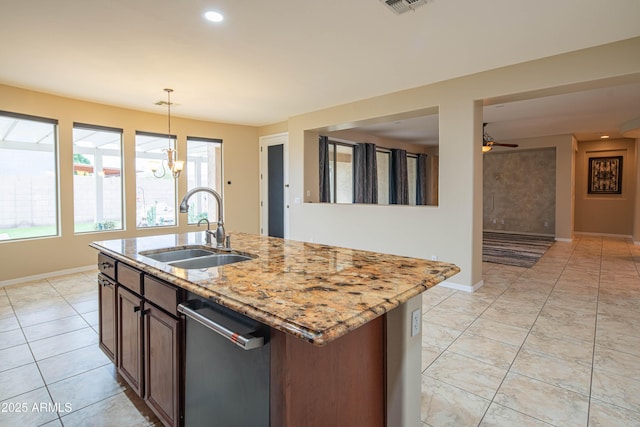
{"x": 29, "y": 181}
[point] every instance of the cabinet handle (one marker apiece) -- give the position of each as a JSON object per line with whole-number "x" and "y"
{"x": 106, "y": 265}
{"x": 136, "y": 308}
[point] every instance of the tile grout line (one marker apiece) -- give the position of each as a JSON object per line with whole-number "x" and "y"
{"x": 595, "y": 334}
{"x": 523, "y": 343}
{"x": 491, "y": 401}
{"x": 35, "y": 362}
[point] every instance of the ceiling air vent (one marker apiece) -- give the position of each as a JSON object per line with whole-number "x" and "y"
{"x": 402, "y": 6}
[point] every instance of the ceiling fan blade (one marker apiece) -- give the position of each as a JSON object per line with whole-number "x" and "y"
{"x": 505, "y": 145}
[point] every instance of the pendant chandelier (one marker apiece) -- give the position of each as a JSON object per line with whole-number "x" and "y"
{"x": 173, "y": 165}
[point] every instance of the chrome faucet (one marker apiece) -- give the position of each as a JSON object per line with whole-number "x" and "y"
{"x": 184, "y": 207}
{"x": 208, "y": 233}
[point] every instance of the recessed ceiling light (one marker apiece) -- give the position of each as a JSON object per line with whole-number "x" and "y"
{"x": 213, "y": 16}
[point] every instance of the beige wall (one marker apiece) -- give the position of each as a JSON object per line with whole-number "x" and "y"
{"x": 636, "y": 212}
{"x": 606, "y": 213}
{"x": 273, "y": 129}
{"x": 68, "y": 251}
{"x": 451, "y": 231}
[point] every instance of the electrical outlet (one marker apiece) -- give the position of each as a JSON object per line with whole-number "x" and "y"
{"x": 434, "y": 257}
{"x": 415, "y": 322}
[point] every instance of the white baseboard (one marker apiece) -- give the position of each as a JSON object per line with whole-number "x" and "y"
{"x": 459, "y": 287}
{"x": 47, "y": 275}
{"x": 563, "y": 239}
{"x": 615, "y": 236}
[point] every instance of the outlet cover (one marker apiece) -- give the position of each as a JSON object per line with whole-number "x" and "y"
{"x": 415, "y": 322}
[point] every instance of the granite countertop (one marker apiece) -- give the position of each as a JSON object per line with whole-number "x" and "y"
{"x": 316, "y": 292}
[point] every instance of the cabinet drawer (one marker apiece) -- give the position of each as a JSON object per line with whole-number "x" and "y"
{"x": 130, "y": 277}
{"x": 107, "y": 266}
{"x": 162, "y": 295}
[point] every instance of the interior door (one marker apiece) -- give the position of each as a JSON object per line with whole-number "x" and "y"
{"x": 274, "y": 187}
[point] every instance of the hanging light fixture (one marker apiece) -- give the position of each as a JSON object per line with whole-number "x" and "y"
{"x": 487, "y": 140}
{"x": 174, "y": 165}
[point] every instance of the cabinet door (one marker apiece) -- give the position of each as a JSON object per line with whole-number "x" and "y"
{"x": 163, "y": 374}
{"x": 107, "y": 316}
{"x": 130, "y": 327}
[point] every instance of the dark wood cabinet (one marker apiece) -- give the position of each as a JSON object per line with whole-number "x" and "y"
{"x": 129, "y": 338}
{"x": 143, "y": 334}
{"x": 163, "y": 360}
{"x": 107, "y": 316}
{"x": 340, "y": 384}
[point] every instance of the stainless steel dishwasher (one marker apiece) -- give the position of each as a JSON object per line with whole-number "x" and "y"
{"x": 227, "y": 367}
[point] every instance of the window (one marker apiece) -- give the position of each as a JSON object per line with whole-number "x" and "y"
{"x": 28, "y": 177}
{"x": 97, "y": 178}
{"x": 412, "y": 176}
{"x": 341, "y": 172}
{"x": 155, "y": 186}
{"x": 383, "y": 160}
{"x": 204, "y": 169}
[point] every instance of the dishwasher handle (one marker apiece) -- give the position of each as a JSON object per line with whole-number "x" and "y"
{"x": 244, "y": 341}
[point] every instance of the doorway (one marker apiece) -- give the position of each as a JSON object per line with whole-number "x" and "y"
{"x": 274, "y": 206}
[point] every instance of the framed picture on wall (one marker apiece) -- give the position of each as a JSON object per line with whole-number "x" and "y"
{"x": 605, "y": 175}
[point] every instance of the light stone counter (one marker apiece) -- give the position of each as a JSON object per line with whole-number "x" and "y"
{"x": 316, "y": 292}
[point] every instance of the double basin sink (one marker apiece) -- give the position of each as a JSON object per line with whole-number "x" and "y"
{"x": 195, "y": 257}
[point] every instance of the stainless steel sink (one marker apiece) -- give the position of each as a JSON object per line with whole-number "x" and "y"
{"x": 210, "y": 261}
{"x": 195, "y": 258}
{"x": 177, "y": 254}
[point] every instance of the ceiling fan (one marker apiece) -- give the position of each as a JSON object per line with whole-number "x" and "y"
{"x": 488, "y": 142}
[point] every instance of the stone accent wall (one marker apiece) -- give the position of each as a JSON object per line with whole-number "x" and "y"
{"x": 519, "y": 191}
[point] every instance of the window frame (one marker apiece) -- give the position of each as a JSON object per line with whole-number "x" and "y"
{"x": 173, "y": 142}
{"x": 56, "y": 170}
{"x": 333, "y": 160}
{"x": 379, "y": 149}
{"x": 221, "y": 168}
{"x": 120, "y": 131}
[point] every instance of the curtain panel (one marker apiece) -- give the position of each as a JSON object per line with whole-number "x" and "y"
{"x": 421, "y": 187}
{"x": 365, "y": 173}
{"x": 399, "y": 181}
{"x": 325, "y": 179}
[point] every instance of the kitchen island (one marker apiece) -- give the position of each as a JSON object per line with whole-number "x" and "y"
{"x": 339, "y": 319}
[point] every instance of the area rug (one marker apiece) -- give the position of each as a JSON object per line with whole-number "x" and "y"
{"x": 514, "y": 249}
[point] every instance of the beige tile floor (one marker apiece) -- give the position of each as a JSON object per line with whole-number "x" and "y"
{"x": 557, "y": 344}
{"x": 52, "y": 372}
